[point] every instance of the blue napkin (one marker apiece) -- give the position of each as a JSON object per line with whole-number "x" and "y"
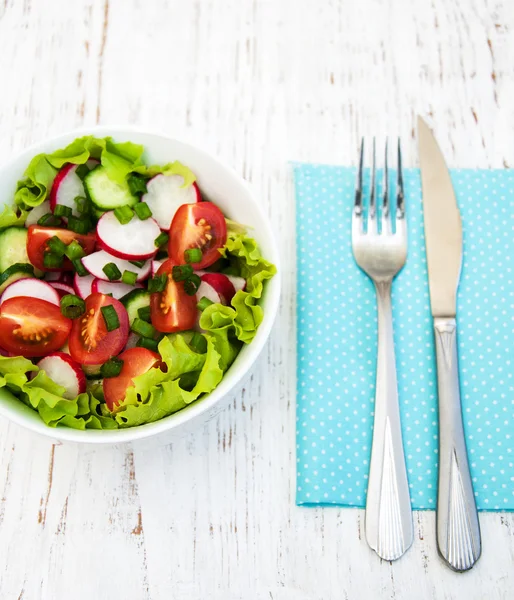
{"x": 337, "y": 345}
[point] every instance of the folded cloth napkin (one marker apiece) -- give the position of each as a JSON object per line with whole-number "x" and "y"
{"x": 337, "y": 341}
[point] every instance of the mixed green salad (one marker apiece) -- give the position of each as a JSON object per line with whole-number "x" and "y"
{"x": 125, "y": 296}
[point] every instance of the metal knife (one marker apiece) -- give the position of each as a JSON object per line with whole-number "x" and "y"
{"x": 458, "y": 530}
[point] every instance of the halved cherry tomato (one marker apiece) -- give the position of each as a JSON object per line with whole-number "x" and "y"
{"x": 32, "y": 327}
{"x": 172, "y": 310}
{"x": 90, "y": 343}
{"x": 136, "y": 361}
{"x": 201, "y": 225}
{"x": 37, "y": 240}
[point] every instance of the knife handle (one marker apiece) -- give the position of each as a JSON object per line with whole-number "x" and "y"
{"x": 458, "y": 529}
{"x": 389, "y": 529}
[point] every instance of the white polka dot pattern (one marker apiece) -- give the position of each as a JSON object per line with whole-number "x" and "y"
{"x": 337, "y": 329}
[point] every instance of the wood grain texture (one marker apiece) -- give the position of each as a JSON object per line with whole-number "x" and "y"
{"x": 258, "y": 83}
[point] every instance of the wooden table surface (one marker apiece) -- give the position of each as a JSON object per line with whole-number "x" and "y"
{"x": 259, "y": 83}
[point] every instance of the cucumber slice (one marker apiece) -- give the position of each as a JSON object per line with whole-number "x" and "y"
{"x": 133, "y": 301}
{"x": 13, "y": 247}
{"x": 15, "y": 272}
{"x": 105, "y": 193}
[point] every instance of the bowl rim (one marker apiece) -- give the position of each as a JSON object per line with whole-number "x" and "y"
{"x": 230, "y": 380}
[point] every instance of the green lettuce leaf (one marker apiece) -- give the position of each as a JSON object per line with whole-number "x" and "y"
{"x": 156, "y": 394}
{"x": 242, "y": 319}
{"x": 46, "y": 397}
{"x": 119, "y": 160}
{"x": 174, "y": 168}
{"x": 9, "y": 217}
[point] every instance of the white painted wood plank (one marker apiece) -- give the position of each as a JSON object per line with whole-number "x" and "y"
{"x": 259, "y": 83}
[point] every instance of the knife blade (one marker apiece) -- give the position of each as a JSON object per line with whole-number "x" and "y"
{"x": 458, "y": 529}
{"x": 443, "y": 226}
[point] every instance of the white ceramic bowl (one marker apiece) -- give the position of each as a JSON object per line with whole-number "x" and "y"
{"x": 218, "y": 183}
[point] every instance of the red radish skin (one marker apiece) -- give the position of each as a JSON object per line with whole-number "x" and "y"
{"x": 83, "y": 285}
{"x": 118, "y": 290}
{"x": 31, "y": 288}
{"x": 221, "y": 284}
{"x": 156, "y": 265}
{"x": 132, "y": 241}
{"x": 95, "y": 263}
{"x": 59, "y": 276}
{"x": 164, "y": 196}
{"x": 67, "y": 186}
{"x": 62, "y": 369}
{"x": 62, "y": 287}
{"x": 37, "y": 212}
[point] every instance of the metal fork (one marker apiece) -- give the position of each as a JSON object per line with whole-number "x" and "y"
{"x": 381, "y": 255}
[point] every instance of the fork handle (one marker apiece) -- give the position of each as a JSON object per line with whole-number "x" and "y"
{"x": 389, "y": 529}
{"x": 458, "y": 530}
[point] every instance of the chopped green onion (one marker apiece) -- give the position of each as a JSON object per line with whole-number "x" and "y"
{"x": 61, "y": 210}
{"x": 112, "y": 368}
{"x": 74, "y": 250}
{"x": 79, "y": 267}
{"x": 72, "y": 306}
{"x": 143, "y": 211}
{"x": 143, "y": 328}
{"x": 49, "y": 220}
{"x": 81, "y": 171}
{"x": 110, "y": 316}
{"x": 79, "y": 224}
{"x": 157, "y": 283}
{"x": 204, "y": 303}
{"x": 192, "y": 284}
{"x": 138, "y": 263}
{"x": 124, "y": 214}
{"x": 198, "y": 342}
{"x": 52, "y": 261}
{"x": 193, "y": 255}
{"x": 183, "y": 272}
{"x": 83, "y": 205}
{"x": 129, "y": 277}
{"x": 161, "y": 239}
{"x": 144, "y": 313}
{"x": 137, "y": 185}
{"x": 57, "y": 246}
{"x": 148, "y": 343}
{"x": 112, "y": 271}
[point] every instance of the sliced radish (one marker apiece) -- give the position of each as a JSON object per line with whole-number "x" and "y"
{"x": 83, "y": 285}
{"x": 164, "y": 196}
{"x": 221, "y": 284}
{"x": 60, "y": 276}
{"x": 67, "y": 186}
{"x": 155, "y": 266}
{"x": 117, "y": 289}
{"x": 132, "y": 241}
{"x": 95, "y": 263}
{"x": 205, "y": 290}
{"x": 37, "y": 212}
{"x": 62, "y": 288}
{"x": 132, "y": 341}
{"x": 31, "y": 288}
{"x": 62, "y": 369}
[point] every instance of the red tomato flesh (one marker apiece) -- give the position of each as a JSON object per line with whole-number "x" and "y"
{"x": 37, "y": 240}
{"x": 90, "y": 343}
{"x": 32, "y": 327}
{"x": 172, "y": 310}
{"x": 136, "y": 361}
{"x": 201, "y": 225}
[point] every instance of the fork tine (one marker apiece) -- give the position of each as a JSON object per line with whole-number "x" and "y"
{"x": 400, "y": 198}
{"x": 372, "y": 215}
{"x": 358, "y": 185}
{"x": 385, "y": 194}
